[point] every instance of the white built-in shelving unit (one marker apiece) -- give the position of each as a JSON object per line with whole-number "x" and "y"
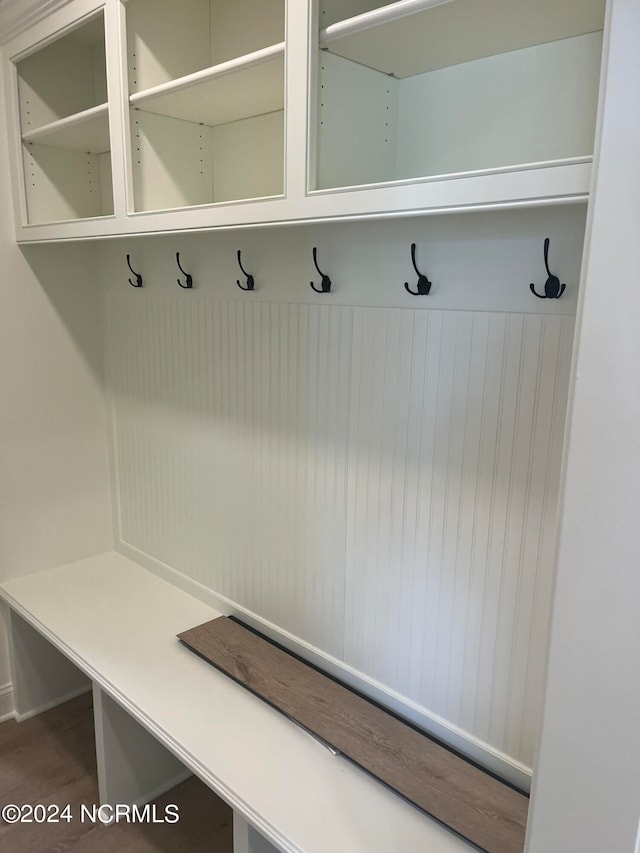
{"x": 87, "y": 130}
{"x": 400, "y": 459}
{"x": 154, "y": 116}
{"x": 64, "y": 125}
{"x": 206, "y": 91}
{"x": 425, "y": 88}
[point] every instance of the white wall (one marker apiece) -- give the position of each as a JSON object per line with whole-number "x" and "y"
{"x": 373, "y": 472}
{"x": 54, "y": 503}
{"x": 587, "y": 785}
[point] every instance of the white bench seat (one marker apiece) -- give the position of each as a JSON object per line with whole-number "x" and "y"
{"x": 117, "y": 623}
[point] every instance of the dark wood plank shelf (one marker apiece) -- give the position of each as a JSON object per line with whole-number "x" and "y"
{"x": 473, "y": 803}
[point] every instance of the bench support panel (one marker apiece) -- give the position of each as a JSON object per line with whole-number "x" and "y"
{"x": 246, "y": 839}
{"x": 133, "y": 767}
{"x": 42, "y": 676}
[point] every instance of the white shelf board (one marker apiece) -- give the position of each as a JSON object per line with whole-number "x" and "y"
{"x": 85, "y": 131}
{"x": 248, "y": 86}
{"x": 291, "y": 788}
{"x": 398, "y": 41}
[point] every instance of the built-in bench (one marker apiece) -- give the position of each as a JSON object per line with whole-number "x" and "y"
{"x": 162, "y": 713}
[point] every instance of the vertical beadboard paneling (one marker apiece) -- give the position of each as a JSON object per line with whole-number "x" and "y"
{"x": 464, "y": 603}
{"x": 456, "y": 422}
{"x": 231, "y": 438}
{"x": 379, "y": 482}
{"x": 542, "y": 530}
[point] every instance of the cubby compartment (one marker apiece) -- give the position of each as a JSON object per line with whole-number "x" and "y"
{"x": 66, "y": 77}
{"x": 64, "y": 126}
{"x": 75, "y": 738}
{"x": 206, "y": 86}
{"x": 63, "y": 183}
{"x": 425, "y": 88}
{"x": 178, "y": 163}
{"x": 168, "y": 40}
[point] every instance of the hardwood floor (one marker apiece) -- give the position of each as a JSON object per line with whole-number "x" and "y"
{"x": 50, "y": 760}
{"x": 473, "y": 803}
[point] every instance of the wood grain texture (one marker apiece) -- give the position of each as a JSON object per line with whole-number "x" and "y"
{"x": 474, "y": 804}
{"x": 50, "y": 760}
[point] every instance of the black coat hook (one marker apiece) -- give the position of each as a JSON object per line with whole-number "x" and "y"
{"x": 424, "y": 285}
{"x": 552, "y": 287}
{"x": 138, "y": 281}
{"x": 325, "y": 284}
{"x": 250, "y": 279}
{"x": 189, "y": 283}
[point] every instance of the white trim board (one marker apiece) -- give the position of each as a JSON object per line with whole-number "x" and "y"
{"x": 7, "y": 708}
{"x": 16, "y": 16}
{"x": 35, "y": 712}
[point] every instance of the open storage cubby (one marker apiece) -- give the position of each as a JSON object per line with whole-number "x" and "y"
{"x": 206, "y": 91}
{"x": 64, "y": 126}
{"x": 423, "y": 88}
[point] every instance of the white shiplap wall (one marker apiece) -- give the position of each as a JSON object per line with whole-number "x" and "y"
{"x": 376, "y": 475}
{"x": 455, "y": 437}
{"x": 232, "y": 423}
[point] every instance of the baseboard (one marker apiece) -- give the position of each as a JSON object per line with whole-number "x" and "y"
{"x": 484, "y": 754}
{"x": 33, "y": 712}
{"x": 7, "y": 705}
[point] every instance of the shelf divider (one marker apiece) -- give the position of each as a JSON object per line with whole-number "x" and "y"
{"x": 84, "y": 131}
{"x": 246, "y": 86}
{"x": 414, "y": 37}
{"x": 375, "y": 18}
